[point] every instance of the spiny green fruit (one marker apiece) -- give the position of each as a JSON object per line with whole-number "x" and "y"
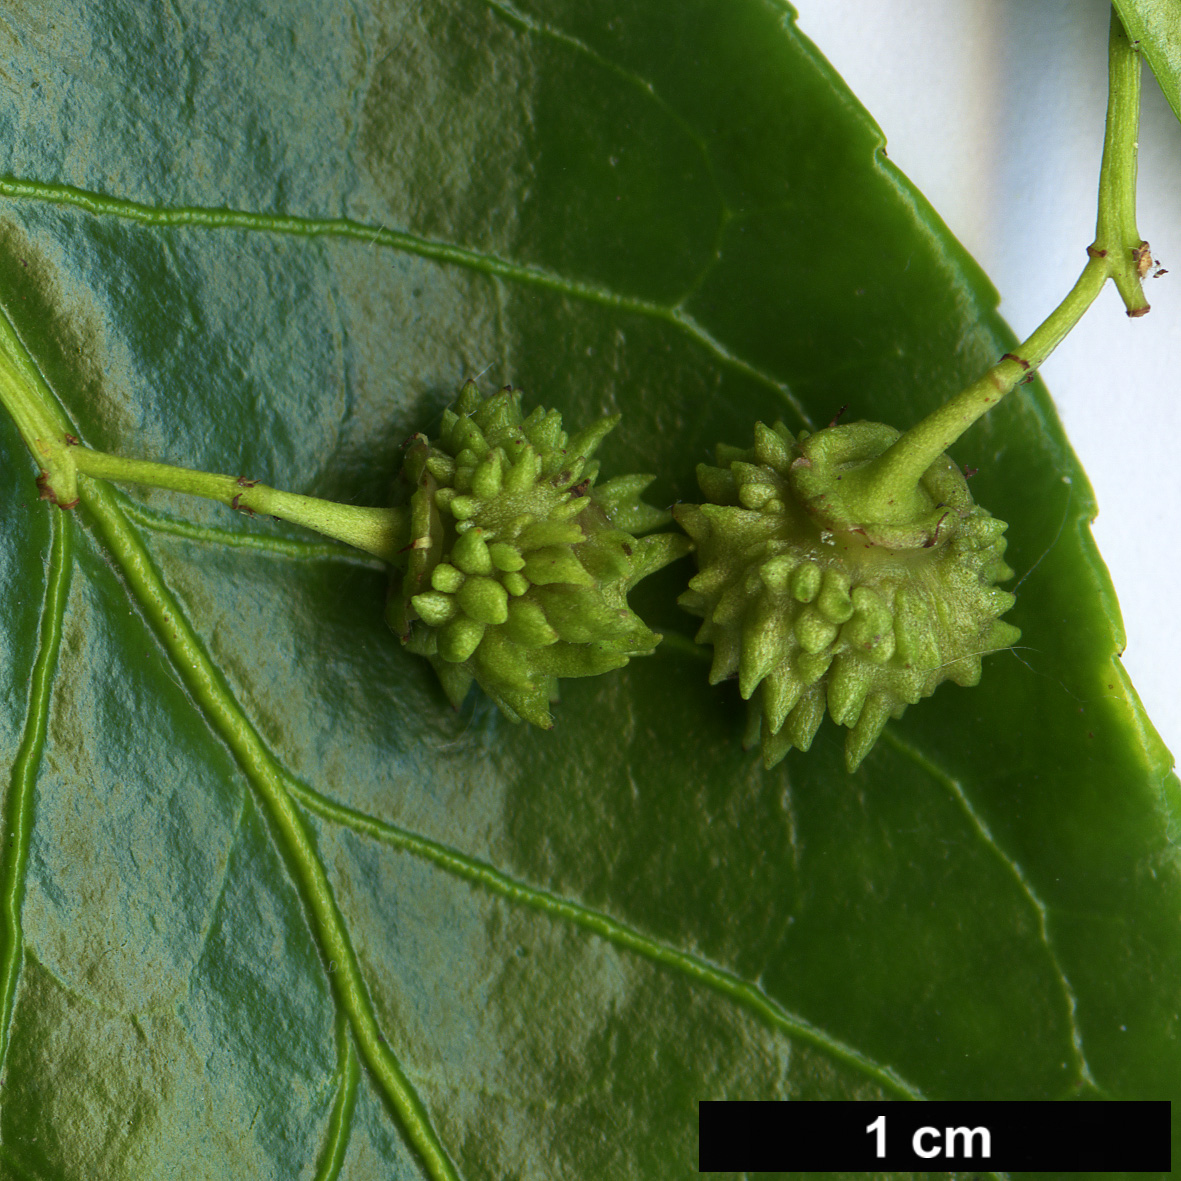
{"x": 816, "y": 597}
{"x": 519, "y": 567}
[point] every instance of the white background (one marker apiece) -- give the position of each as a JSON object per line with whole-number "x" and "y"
{"x": 995, "y": 109}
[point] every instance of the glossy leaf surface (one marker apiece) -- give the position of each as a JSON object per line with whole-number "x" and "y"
{"x": 1155, "y": 28}
{"x": 273, "y": 909}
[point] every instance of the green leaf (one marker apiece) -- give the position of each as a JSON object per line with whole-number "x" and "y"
{"x": 1154, "y": 27}
{"x": 273, "y": 907}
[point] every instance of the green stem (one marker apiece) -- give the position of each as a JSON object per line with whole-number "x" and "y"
{"x": 25, "y": 396}
{"x": 380, "y": 531}
{"x": 1117, "y": 240}
{"x": 1118, "y": 253}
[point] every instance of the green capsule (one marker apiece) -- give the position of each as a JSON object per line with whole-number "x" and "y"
{"x": 718, "y": 484}
{"x": 755, "y": 496}
{"x": 508, "y": 530}
{"x": 578, "y": 660}
{"x": 776, "y": 572}
{"x": 441, "y": 466}
{"x": 803, "y": 721}
{"x": 620, "y": 499}
{"x": 870, "y": 724}
{"x": 544, "y": 429}
{"x": 873, "y": 613}
{"x": 466, "y": 436}
{"x": 727, "y": 647}
{"x": 578, "y": 615}
{"x": 765, "y": 637}
{"x": 848, "y": 683}
{"x": 586, "y": 442}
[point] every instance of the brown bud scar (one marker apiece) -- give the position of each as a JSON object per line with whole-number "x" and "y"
{"x": 46, "y": 492}
{"x": 1096, "y": 253}
{"x": 1014, "y": 357}
{"x": 71, "y": 441}
{"x": 245, "y": 482}
{"x": 1136, "y": 313}
{"x": 580, "y": 489}
{"x": 1027, "y": 380}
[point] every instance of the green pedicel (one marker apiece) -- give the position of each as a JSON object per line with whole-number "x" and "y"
{"x": 813, "y": 606}
{"x": 518, "y": 568}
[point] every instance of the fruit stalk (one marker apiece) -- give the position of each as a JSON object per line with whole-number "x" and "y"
{"x": 382, "y": 532}
{"x": 889, "y": 484}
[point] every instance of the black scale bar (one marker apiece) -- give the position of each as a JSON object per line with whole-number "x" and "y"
{"x": 1066, "y": 1137}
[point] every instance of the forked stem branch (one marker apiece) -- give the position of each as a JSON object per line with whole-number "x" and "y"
{"x": 1118, "y": 253}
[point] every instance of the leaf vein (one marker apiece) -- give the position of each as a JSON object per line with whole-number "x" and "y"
{"x": 488, "y": 264}
{"x": 514, "y": 16}
{"x": 18, "y": 821}
{"x": 219, "y": 706}
{"x": 340, "y": 1124}
{"x": 699, "y": 970}
{"x": 221, "y": 710}
{"x": 1026, "y": 886}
